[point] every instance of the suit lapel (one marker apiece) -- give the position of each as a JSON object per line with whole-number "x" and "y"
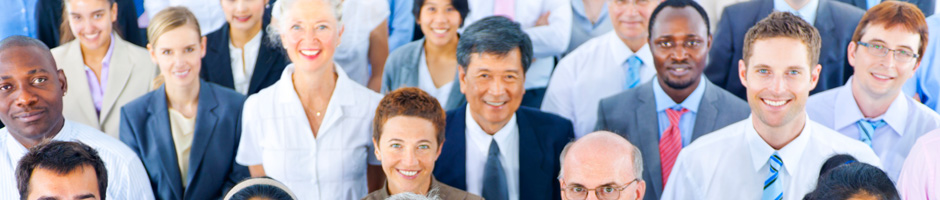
{"x": 206, "y": 120}
{"x": 451, "y": 165}
{"x": 707, "y": 114}
{"x": 532, "y": 167}
{"x": 410, "y": 72}
{"x": 221, "y": 72}
{"x": 119, "y": 72}
{"x": 455, "y": 98}
{"x": 159, "y": 124}
{"x": 766, "y": 7}
{"x": 79, "y": 82}
{"x": 267, "y": 58}
{"x": 647, "y": 130}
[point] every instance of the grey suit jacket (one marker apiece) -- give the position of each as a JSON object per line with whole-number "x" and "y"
{"x": 129, "y": 76}
{"x": 401, "y": 70}
{"x": 632, "y": 114}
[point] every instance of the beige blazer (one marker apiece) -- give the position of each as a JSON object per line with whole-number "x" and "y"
{"x": 129, "y": 77}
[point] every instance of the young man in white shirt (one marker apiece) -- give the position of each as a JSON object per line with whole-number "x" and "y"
{"x": 871, "y": 107}
{"x": 31, "y": 109}
{"x": 777, "y": 152}
{"x": 603, "y": 66}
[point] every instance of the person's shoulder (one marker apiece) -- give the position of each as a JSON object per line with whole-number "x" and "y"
{"x": 448, "y": 192}
{"x": 838, "y": 142}
{"x": 579, "y": 57}
{"x": 743, "y": 8}
{"x": 224, "y": 94}
{"x": 139, "y": 104}
{"x": 824, "y": 99}
{"x": 626, "y": 98}
{"x": 63, "y": 50}
{"x": 107, "y": 146}
{"x": 408, "y": 50}
{"x": 137, "y": 53}
{"x": 544, "y": 117}
{"x": 267, "y": 96}
{"x": 548, "y": 124}
{"x": 720, "y": 137}
{"x": 844, "y": 10}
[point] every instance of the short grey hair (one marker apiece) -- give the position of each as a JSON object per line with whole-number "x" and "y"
{"x": 637, "y": 161}
{"x": 280, "y": 11}
{"x": 432, "y": 195}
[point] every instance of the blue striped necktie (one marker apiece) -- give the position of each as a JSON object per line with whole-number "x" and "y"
{"x": 633, "y": 72}
{"x": 866, "y": 129}
{"x": 773, "y": 189}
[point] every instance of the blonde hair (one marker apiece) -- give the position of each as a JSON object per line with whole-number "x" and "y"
{"x": 280, "y": 11}
{"x": 167, "y": 20}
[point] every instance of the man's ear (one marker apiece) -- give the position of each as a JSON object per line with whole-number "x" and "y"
{"x": 742, "y": 72}
{"x": 850, "y": 53}
{"x": 62, "y": 79}
{"x": 462, "y": 77}
{"x": 375, "y": 146}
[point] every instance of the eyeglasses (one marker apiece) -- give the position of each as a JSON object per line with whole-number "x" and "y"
{"x": 881, "y": 51}
{"x": 603, "y": 192}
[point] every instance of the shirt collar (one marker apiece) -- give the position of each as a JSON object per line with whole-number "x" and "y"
{"x": 502, "y": 136}
{"x": 663, "y": 101}
{"x": 578, "y": 7}
{"x": 849, "y": 113}
{"x": 808, "y": 12}
{"x": 106, "y": 61}
{"x": 761, "y": 151}
{"x": 254, "y": 43}
{"x": 287, "y": 93}
{"x": 621, "y": 52}
{"x": 16, "y": 150}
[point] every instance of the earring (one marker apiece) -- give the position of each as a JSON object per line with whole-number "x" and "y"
{"x": 267, "y": 5}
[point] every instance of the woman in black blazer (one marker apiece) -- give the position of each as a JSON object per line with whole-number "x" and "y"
{"x": 186, "y": 132}
{"x": 240, "y": 55}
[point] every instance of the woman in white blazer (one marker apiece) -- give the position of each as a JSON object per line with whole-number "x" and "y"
{"x": 104, "y": 71}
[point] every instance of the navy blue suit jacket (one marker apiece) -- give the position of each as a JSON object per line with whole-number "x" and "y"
{"x": 926, "y": 6}
{"x": 542, "y": 136}
{"x": 217, "y": 64}
{"x": 145, "y": 128}
{"x": 836, "y": 21}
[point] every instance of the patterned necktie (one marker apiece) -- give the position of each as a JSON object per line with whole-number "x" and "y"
{"x": 633, "y": 72}
{"x": 671, "y": 142}
{"x": 494, "y": 178}
{"x": 505, "y": 8}
{"x": 866, "y": 129}
{"x": 773, "y": 190}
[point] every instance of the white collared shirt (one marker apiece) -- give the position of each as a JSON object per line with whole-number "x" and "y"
{"x": 906, "y": 121}
{"x": 243, "y": 62}
{"x": 426, "y": 82}
{"x": 277, "y": 135}
{"x": 732, "y": 163}
{"x": 478, "y": 146}
{"x": 127, "y": 178}
{"x": 590, "y": 73}
{"x": 360, "y": 17}
{"x": 547, "y": 41}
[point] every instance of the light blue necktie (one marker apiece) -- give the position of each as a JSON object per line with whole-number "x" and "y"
{"x": 494, "y": 178}
{"x": 633, "y": 72}
{"x": 773, "y": 189}
{"x": 867, "y": 128}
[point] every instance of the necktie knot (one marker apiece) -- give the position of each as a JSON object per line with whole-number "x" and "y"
{"x": 633, "y": 71}
{"x": 674, "y": 115}
{"x": 867, "y": 129}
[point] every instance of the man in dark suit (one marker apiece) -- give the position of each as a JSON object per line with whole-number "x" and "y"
{"x": 495, "y": 148}
{"x": 925, "y": 6}
{"x": 49, "y": 21}
{"x": 835, "y": 21}
{"x": 679, "y": 105}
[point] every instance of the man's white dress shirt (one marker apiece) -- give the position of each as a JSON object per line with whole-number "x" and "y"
{"x": 906, "y": 120}
{"x": 591, "y": 72}
{"x": 127, "y": 178}
{"x": 332, "y": 165}
{"x": 732, "y": 163}
{"x": 547, "y": 41}
{"x": 478, "y": 148}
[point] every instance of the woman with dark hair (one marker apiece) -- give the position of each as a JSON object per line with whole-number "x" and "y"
{"x": 263, "y": 188}
{"x": 843, "y": 177}
{"x": 430, "y": 63}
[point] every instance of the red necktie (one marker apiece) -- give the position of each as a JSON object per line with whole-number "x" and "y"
{"x": 671, "y": 142}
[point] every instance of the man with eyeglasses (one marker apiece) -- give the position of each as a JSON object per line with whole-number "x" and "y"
{"x": 871, "y": 107}
{"x": 602, "y": 165}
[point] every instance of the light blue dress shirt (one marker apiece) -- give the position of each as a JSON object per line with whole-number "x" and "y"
{"x": 687, "y": 121}
{"x": 808, "y": 12}
{"x": 871, "y": 3}
{"x": 401, "y": 26}
{"x": 18, "y": 17}
{"x": 926, "y": 81}
{"x": 906, "y": 120}
{"x": 582, "y": 30}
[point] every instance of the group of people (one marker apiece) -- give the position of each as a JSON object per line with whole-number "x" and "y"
{"x": 579, "y": 99}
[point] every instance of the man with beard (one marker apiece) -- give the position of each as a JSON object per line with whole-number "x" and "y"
{"x": 776, "y": 153}
{"x": 683, "y": 103}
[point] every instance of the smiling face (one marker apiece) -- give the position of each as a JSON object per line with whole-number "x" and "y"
{"x": 883, "y": 76}
{"x": 31, "y": 91}
{"x": 244, "y": 15}
{"x": 631, "y": 17}
{"x": 178, "y": 53}
{"x": 90, "y": 21}
{"x": 79, "y": 184}
{"x": 680, "y": 44}
{"x": 493, "y": 85}
{"x": 778, "y": 78}
{"x": 408, "y": 148}
{"x": 310, "y": 33}
{"x": 439, "y": 21}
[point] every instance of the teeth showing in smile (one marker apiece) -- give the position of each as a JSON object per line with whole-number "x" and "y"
{"x": 92, "y": 36}
{"x": 309, "y": 52}
{"x": 774, "y": 103}
{"x": 680, "y": 69}
{"x": 494, "y": 103}
{"x": 408, "y": 173}
{"x": 880, "y": 76}
{"x": 439, "y": 31}
{"x": 181, "y": 73}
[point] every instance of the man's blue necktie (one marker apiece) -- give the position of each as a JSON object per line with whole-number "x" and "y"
{"x": 866, "y": 129}
{"x": 495, "y": 186}
{"x": 633, "y": 72}
{"x": 773, "y": 189}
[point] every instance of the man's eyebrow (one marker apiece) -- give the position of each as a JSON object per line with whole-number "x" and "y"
{"x": 85, "y": 196}
{"x": 37, "y": 71}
